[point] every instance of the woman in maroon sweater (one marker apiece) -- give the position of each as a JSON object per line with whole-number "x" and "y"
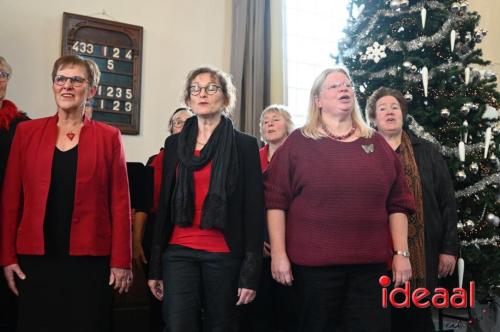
{"x": 336, "y": 198}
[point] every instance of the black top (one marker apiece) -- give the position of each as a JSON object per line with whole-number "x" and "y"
{"x": 244, "y": 232}
{"x": 60, "y": 202}
{"x": 440, "y": 211}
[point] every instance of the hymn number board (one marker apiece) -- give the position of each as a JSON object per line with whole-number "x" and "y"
{"x": 117, "y": 49}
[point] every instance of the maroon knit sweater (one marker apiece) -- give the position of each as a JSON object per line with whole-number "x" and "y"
{"x": 337, "y": 198}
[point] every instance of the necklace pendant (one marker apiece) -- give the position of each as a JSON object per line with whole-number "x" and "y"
{"x": 70, "y": 136}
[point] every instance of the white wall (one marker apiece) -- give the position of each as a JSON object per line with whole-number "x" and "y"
{"x": 489, "y": 10}
{"x": 179, "y": 35}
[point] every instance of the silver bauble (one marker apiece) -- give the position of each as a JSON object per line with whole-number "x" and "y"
{"x": 464, "y": 110}
{"x": 493, "y": 159}
{"x": 395, "y": 4}
{"x": 445, "y": 113}
{"x": 408, "y": 96}
{"x": 461, "y": 176}
{"x": 469, "y": 224}
{"x": 460, "y": 226}
{"x": 474, "y": 168}
{"x": 404, "y": 3}
{"x": 363, "y": 58}
{"x": 463, "y": 6}
{"x": 468, "y": 36}
{"x": 414, "y": 68}
{"x": 407, "y": 64}
{"x": 493, "y": 219}
{"x": 489, "y": 75}
{"x": 455, "y": 7}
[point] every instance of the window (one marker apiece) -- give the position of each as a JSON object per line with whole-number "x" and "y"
{"x": 312, "y": 31}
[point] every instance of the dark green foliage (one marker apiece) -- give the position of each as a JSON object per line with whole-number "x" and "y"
{"x": 378, "y": 22}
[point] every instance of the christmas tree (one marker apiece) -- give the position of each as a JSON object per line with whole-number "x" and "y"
{"x": 429, "y": 51}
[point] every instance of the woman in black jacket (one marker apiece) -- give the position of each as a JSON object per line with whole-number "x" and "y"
{"x": 207, "y": 243}
{"x": 432, "y": 230}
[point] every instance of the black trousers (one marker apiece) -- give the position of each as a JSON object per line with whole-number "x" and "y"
{"x": 341, "y": 298}
{"x": 64, "y": 294}
{"x": 411, "y": 319}
{"x": 196, "y": 280}
{"x": 8, "y": 306}
{"x": 274, "y": 307}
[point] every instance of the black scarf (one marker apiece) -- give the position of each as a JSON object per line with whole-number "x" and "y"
{"x": 221, "y": 150}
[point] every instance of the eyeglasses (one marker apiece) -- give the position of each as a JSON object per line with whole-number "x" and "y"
{"x": 75, "y": 81}
{"x": 4, "y": 76}
{"x": 338, "y": 85}
{"x": 178, "y": 123}
{"x": 210, "y": 89}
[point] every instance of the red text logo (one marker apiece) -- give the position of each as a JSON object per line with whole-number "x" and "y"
{"x": 423, "y": 298}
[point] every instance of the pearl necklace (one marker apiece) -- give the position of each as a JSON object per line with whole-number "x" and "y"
{"x": 340, "y": 137}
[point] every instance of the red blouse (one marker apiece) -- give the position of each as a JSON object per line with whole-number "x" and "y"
{"x": 263, "y": 152}
{"x": 157, "y": 165}
{"x": 211, "y": 240}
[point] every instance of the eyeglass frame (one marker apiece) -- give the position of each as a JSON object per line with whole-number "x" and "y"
{"x": 4, "y": 76}
{"x": 337, "y": 85}
{"x": 178, "y": 123}
{"x": 72, "y": 79}
{"x": 218, "y": 87}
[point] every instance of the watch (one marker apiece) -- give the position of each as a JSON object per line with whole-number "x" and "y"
{"x": 404, "y": 253}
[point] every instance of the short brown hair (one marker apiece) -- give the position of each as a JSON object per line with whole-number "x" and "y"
{"x": 227, "y": 86}
{"x": 371, "y": 104}
{"x": 93, "y": 72}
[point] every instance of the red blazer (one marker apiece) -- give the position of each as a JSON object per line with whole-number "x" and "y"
{"x": 101, "y": 224}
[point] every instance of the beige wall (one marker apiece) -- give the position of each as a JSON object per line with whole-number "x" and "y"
{"x": 489, "y": 10}
{"x": 178, "y": 36}
{"x": 277, "y": 52}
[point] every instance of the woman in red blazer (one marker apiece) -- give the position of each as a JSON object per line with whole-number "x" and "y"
{"x": 65, "y": 212}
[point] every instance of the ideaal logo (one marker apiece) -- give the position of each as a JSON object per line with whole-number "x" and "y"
{"x": 419, "y": 296}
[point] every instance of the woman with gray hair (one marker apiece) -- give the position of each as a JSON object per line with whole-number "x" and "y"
{"x": 332, "y": 216}
{"x": 10, "y": 117}
{"x": 432, "y": 230}
{"x": 275, "y": 126}
{"x": 273, "y": 308}
{"x": 207, "y": 242}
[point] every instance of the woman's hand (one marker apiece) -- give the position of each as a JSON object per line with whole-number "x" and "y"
{"x": 138, "y": 252}
{"x": 281, "y": 269}
{"x": 401, "y": 270}
{"x": 446, "y": 265}
{"x": 156, "y": 287}
{"x": 9, "y": 272}
{"x": 245, "y": 296}
{"x": 266, "y": 250}
{"x": 122, "y": 278}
